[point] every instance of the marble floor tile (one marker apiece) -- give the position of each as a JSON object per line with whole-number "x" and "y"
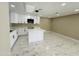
{"x": 53, "y": 45}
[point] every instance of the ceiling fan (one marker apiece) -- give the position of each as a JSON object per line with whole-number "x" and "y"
{"x": 37, "y": 10}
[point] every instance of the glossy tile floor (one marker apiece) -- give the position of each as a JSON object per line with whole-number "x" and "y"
{"x": 53, "y": 45}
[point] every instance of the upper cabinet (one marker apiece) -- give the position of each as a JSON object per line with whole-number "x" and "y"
{"x": 21, "y": 19}
{"x": 14, "y": 18}
{"x": 18, "y": 18}
{"x": 36, "y": 20}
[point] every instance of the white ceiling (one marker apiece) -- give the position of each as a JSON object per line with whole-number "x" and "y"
{"x": 49, "y": 9}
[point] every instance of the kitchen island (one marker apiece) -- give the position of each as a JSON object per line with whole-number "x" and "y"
{"x": 35, "y": 35}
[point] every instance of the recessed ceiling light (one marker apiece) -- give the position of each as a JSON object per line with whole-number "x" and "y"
{"x": 12, "y": 5}
{"x": 76, "y": 10}
{"x": 63, "y": 4}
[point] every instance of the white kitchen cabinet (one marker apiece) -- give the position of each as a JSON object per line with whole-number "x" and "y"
{"x": 36, "y": 20}
{"x": 14, "y": 18}
{"x": 19, "y": 18}
{"x": 25, "y": 19}
{"x": 13, "y": 38}
{"x": 22, "y": 31}
{"x": 35, "y": 35}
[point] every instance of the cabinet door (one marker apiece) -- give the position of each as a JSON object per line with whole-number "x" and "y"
{"x": 36, "y": 20}
{"x": 14, "y": 18}
{"x": 19, "y": 19}
{"x": 23, "y": 18}
{"x": 13, "y": 38}
{"x": 34, "y": 37}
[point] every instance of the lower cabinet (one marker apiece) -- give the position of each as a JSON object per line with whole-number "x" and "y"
{"x": 22, "y": 31}
{"x": 14, "y": 35}
{"x": 35, "y": 35}
{"x": 13, "y": 38}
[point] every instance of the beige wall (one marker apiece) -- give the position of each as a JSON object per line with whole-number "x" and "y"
{"x": 68, "y": 25}
{"x": 4, "y": 29}
{"x": 45, "y": 23}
